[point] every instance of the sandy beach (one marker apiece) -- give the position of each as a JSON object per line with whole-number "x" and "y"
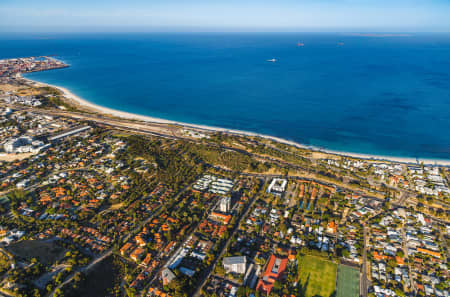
{"x": 91, "y": 107}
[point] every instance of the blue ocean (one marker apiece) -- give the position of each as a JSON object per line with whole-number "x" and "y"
{"x": 374, "y": 94}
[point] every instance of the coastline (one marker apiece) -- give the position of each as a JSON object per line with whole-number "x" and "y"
{"x": 92, "y": 107}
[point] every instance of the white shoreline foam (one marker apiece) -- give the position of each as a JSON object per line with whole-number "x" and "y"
{"x": 127, "y": 115}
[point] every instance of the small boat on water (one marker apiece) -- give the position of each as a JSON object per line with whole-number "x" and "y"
{"x": 272, "y": 60}
{"x": 300, "y": 44}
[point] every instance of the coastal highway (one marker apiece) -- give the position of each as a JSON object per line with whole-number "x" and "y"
{"x": 168, "y": 131}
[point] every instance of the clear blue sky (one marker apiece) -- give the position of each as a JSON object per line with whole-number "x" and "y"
{"x": 224, "y": 15}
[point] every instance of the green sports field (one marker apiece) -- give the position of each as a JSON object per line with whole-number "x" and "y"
{"x": 347, "y": 281}
{"x": 317, "y": 276}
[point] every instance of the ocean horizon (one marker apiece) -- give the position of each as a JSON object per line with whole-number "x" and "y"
{"x": 386, "y": 95}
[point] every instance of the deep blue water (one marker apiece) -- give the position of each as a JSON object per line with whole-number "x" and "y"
{"x": 376, "y": 95}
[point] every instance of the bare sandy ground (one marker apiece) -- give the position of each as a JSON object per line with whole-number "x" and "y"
{"x": 8, "y": 88}
{"x": 14, "y": 157}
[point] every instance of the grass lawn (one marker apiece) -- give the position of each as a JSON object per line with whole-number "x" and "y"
{"x": 348, "y": 281}
{"x": 317, "y": 277}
